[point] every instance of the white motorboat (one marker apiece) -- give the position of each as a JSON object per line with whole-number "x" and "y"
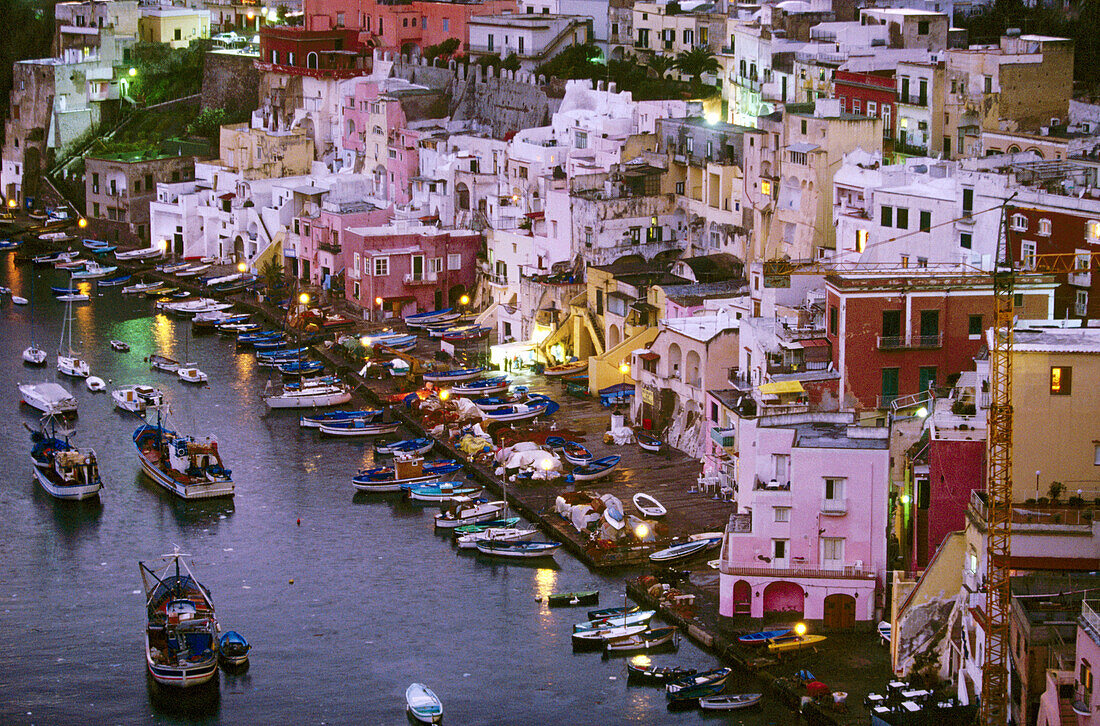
{"x": 34, "y": 355}
{"x": 95, "y": 384}
{"x": 49, "y": 398}
{"x": 136, "y": 398}
{"x": 190, "y": 308}
{"x": 190, "y": 374}
{"x": 74, "y": 297}
{"x": 307, "y": 396}
{"x": 73, "y": 366}
{"x": 463, "y": 513}
{"x": 19, "y": 300}
{"x": 501, "y": 534}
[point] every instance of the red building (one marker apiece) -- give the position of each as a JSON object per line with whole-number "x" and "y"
{"x": 335, "y": 53}
{"x": 868, "y": 94}
{"x": 408, "y": 267}
{"x": 1041, "y": 231}
{"x": 896, "y": 335}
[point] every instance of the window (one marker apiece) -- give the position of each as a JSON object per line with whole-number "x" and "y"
{"x": 1081, "y": 304}
{"x": 381, "y": 266}
{"x": 891, "y": 324}
{"x": 1044, "y": 227}
{"x": 1027, "y": 254}
{"x": 781, "y": 465}
{"x": 588, "y": 237}
{"x": 1019, "y": 222}
{"x": 968, "y": 195}
{"x": 446, "y": 24}
{"x": 679, "y": 187}
{"x": 339, "y": 20}
{"x": 766, "y": 187}
{"x": 798, "y": 157}
{"x": 779, "y": 549}
{"x": 95, "y": 183}
{"x": 861, "y": 240}
{"x": 405, "y": 23}
{"x": 95, "y": 209}
{"x": 1061, "y": 380}
{"x": 886, "y": 216}
{"x": 857, "y": 106}
{"x": 834, "y": 316}
{"x": 581, "y": 140}
{"x": 1092, "y": 229}
{"x": 989, "y": 84}
{"x": 178, "y": 34}
{"x": 872, "y": 108}
{"x": 454, "y": 262}
{"x": 965, "y": 240}
{"x": 1096, "y": 454}
{"x": 834, "y": 489}
{"x": 925, "y": 221}
{"x": 929, "y": 326}
{"x": 491, "y": 39}
{"x": 832, "y": 551}
{"x": 902, "y": 218}
{"x": 974, "y": 326}
{"x": 783, "y": 514}
{"x": 922, "y": 27}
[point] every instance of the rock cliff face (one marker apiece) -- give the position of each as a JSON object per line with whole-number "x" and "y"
{"x": 232, "y": 82}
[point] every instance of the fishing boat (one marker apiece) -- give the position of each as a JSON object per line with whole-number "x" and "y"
{"x": 423, "y": 705}
{"x": 637, "y": 617}
{"x": 181, "y": 632}
{"x": 566, "y": 369}
{"x": 453, "y": 376}
{"x": 694, "y": 693}
{"x": 461, "y": 513}
{"x": 465, "y": 333}
{"x": 100, "y": 251}
{"x": 647, "y": 442}
{"x": 193, "y": 271}
{"x": 717, "y": 677}
{"x": 784, "y": 643}
{"x": 7, "y": 245}
{"x": 69, "y": 363}
{"x": 140, "y": 288}
{"x": 680, "y": 551}
{"x": 502, "y": 523}
{"x": 93, "y": 244}
{"x": 315, "y": 420}
{"x": 407, "y": 447}
{"x": 32, "y": 354}
{"x": 494, "y": 403}
{"x": 74, "y": 297}
{"x": 647, "y": 673}
{"x": 469, "y": 540}
{"x": 233, "y": 649}
{"x": 95, "y": 384}
{"x": 576, "y": 454}
{"x": 211, "y": 319}
{"x": 649, "y": 506}
{"x": 566, "y": 599}
{"x": 597, "y": 469}
{"x": 523, "y": 411}
{"x": 236, "y": 329}
{"x": 298, "y": 368}
{"x": 444, "y": 491}
{"x": 186, "y": 466}
{"x": 730, "y": 701}
{"x": 482, "y": 387}
{"x": 92, "y": 271}
{"x": 136, "y": 399}
{"x": 251, "y": 338}
{"x": 358, "y": 427}
{"x": 308, "y": 395}
{"x": 49, "y": 398}
{"x": 595, "y": 639}
{"x": 271, "y": 344}
{"x": 63, "y": 470}
{"x": 163, "y": 363}
{"x": 120, "y": 346}
{"x": 762, "y": 637}
{"x": 518, "y": 550}
{"x": 604, "y": 613}
{"x": 404, "y": 474}
{"x": 651, "y": 639}
{"x": 443, "y": 315}
{"x": 146, "y": 253}
{"x": 190, "y": 374}
{"x": 115, "y": 281}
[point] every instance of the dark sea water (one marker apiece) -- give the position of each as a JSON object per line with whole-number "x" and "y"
{"x": 343, "y": 610}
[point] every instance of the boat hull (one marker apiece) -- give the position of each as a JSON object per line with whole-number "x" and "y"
{"x": 368, "y": 430}
{"x": 66, "y": 492}
{"x": 181, "y": 489}
{"x": 335, "y": 398}
{"x": 177, "y": 677}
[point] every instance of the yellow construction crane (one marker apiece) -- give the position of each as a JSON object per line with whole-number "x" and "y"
{"x": 994, "y": 701}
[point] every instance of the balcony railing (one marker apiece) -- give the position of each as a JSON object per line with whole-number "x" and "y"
{"x": 329, "y": 247}
{"x": 421, "y": 278}
{"x": 849, "y": 572}
{"x": 834, "y": 507}
{"x": 1080, "y": 279}
{"x": 885, "y": 400}
{"x": 899, "y": 342}
{"x": 913, "y": 99}
{"x": 722, "y": 437}
{"x": 1089, "y": 614}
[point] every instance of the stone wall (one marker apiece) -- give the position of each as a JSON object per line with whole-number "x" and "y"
{"x": 232, "y": 82}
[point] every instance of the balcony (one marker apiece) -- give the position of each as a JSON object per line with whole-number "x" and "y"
{"x": 494, "y": 279}
{"x": 917, "y": 342}
{"x": 1080, "y": 279}
{"x": 722, "y": 437}
{"x": 421, "y": 278}
{"x": 849, "y": 572}
{"x": 771, "y": 485}
{"x": 834, "y": 507}
{"x": 330, "y": 247}
{"x": 913, "y": 99}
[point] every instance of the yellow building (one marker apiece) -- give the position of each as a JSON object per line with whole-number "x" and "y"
{"x": 257, "y": 153}
{"x": 175, "y": 26}
{"x": 657, "y": 31}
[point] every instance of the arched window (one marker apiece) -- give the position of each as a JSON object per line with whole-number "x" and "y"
{"x": 692, "y": 373}
{"x": 462, "y": 194}
{"x": 1044, "y": 227}
{"x": 674, "y": 361}
{"x": 351, "y": 127}
{"x": 378, "y": 131}
{"x": 1019, "y": 222}
{"x": 311, "y": 60}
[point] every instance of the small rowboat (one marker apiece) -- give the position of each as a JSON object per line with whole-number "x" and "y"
{"x": 730, "y": 702}
{"x": 762, "y": 637}
{"x": 495, "y": 403}
{"x": 680, "y": 551}
{"x": 420, "y": 320}
{"x": 315, "y": 420}
{"x": 233, "y": 649}
{"x": 120, "y": 346}
{"x": 16, "y": 300}
{"x": 113, "y": 281}
{"x": 465, "y": 333}
{"x": 717, "y": 677}
{"x": 885, "y": 631}
{"x": 651, "y": 639}
{"x": 565, "y": 599}
{"x": 456, "y": 376}
{"x": 447, "y": 491}
{"x": 78, "y": 297}
{"x": 649, "y": 506}
{"x": 357, "y": 427}
{"x": 647, "y": 442}
{"x": 785, "y": 643}
{"x": 597, "y": 469}
{"x": 566, "y": 369}
{"x": 522, "y": 412}
{"x": 518, "y": 550}
{"x": 605, "y": 613}
{"x": 423, "y": 704}
{"x": 301, "y": 368}
{"x": 595, "y": 639}
{"x": 506, "y": 523}
{"x": 482, "y": 387}
{"x": 638, "y": 617}
{"x": 499, "y": 534}
{"x": 576, "y": 454}
{"x": 385, "y": 479}
{"x": 656, "y": 674}
{"x": 462, "y": 513}
{"x": 163, "y": 363}
{"x": 408, "y": 447}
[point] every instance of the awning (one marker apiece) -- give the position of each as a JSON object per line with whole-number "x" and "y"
{"x": 803, "y": 147}
{"x": 814, "y": 343}
{"x": 649, "y": 355}
{"x": 777, "y": 388}
{"x": 790, "y": 344}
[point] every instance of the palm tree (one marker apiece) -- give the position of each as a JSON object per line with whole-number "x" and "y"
{"x": 660, "y": 64}
{"x": 271, "y": 272}
{"x": 696, "y": 62}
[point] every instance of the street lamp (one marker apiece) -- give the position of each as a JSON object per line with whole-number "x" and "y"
{"x": 133, "y": 72}
{"x": 378, "y": 301}
{"x": 303, "y": 299}
{"x": 444, "y": 394}
{"x": 11, "y": 204}
{"x": 82, "y": 223}
{"x": 641, "y": 531}
{"x": 242, "y": 267}
{"x": 800, "y": 629}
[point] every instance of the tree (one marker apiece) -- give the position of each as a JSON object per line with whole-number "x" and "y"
{"x": 444, "y": 50}
{"x": 576, "y": 61}
{"x": 271, "y": 272}
{"x": 660, "y": 64}
{"x": 511, "y": 63}
{"x": 696, "y": 62}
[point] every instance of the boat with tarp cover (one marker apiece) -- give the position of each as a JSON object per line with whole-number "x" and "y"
{"x": 188, "y": 467}
{"x": 181, "y": 631}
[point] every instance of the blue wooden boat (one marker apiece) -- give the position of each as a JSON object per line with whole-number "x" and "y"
{"x": 423, "y": 705}
{"x": 454, "y": 376}
{"x": 523, "y": 411}
{"x": 268, "y": 344}
{"x": 605, "y": 613}
{"x": 444, "y": 491}
{"x": 315, "y": 420}
{"x": 408, "y": 446}
{"x": 94, "y": 244}
{"x": 7, "y": 244}
{"x": 576, "y": 454}
{"x": 64, "y": 291}
{"x": 637, "y": 617}
{"x": 493, "y": 403}
{"x": 555, "y": 442}
{"x": 517, "y": 549}
{"x": 597, "y": 469}
{"x": 694, "y": 693}
{"x": 358, "y": 427}
{"x": 250, "y": 338}
{"x": 647, "y": 442}
{"x": 465, "y": 333}
{"x": 716, "y": 677}
{"x": 680, "y": 551}
{"x": 301, "y": 367}
{"x": 480, "y": 387}
{"x": 113, "y": 281}
{"x": 505, "y": 523}
{"x": 99, "y": 251}
{"x": 442, "y": 315}
{"x": 385, "y": 479}
{"x": 391, "y": 340}
{"x": 281, "y": 353}
{"x": 645, "y": 673}
{"x": 760, "y": 638}
{"x": 233, "y": 649}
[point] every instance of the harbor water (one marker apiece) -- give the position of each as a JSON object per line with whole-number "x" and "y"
{"x": 345, "y": 598}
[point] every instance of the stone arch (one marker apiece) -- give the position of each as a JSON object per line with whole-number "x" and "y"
{"x": 614, "y": 336}
{"x": 454, "y": 295}
{"x": 462, "y": 196}
{"x": 784, "y": 597}
{"x": 692, "y": 369}
{"x": 742, "y": 598}
{"x": 1014, "y": 149}
{"x": 380, "y": 180}
{"x": 675, "y": 361}
{"x": 633, "y": 259}
{"x": 311, "y": 59}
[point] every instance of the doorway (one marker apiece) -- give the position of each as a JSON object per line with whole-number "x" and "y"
{"x": 840, "y": 611}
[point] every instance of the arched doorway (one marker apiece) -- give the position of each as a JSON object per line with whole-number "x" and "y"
{"x": 742, "y": 598}
{"x": 614, "y": 337}
{"x": 674, "y": 361}
{"x": 311, "y": 60}
{"x": 784, "y": 597}
{"x": 840, "y": 611}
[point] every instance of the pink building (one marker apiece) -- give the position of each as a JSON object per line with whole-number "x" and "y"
{"x": 409, "y": 267}
{"x": 317, "y": 237}
{"x": 809, "y": 538}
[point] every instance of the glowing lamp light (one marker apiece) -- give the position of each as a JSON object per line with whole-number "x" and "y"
{"x": 444, "y": 394}
{"x": 624, "y": 368}
{"x": 641, "y": 531}
{"x": 546, "y": 464}
{"x": 378, "y": 301}
{"x": 132, "y": 72}
{"x": 464, "y": 300}
{"x": 163, "y": 245}
{"x": 251, "y": 15}
{"x": 365, "y": 340}
{"x": 922, "y": 412}
{"x": 242, "y": 267}
{"x": 82, "y": 223}
{"x": 800, "y": 629}
{"x": 712, "y": 118}
{"x": 304, "y": 298}
{"x": 905, "y": 499}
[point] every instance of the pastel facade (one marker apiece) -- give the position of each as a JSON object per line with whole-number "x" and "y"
{"x": 175, "y": 26}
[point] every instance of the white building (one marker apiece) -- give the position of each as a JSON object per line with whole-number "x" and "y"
{"x": 534, "y": 39}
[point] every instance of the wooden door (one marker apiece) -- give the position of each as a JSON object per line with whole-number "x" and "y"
{"x": 840, "y": 611}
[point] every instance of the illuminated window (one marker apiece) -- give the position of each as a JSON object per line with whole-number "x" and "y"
{"x": 1061, "y": 378}
{"x": 861, "y": 240}
{"x": 1044, "y": 227}
{"x": 765, "y": 187}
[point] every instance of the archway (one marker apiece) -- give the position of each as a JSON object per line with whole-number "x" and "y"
{"x": 675, "y": 358}
{"x": 380, "y": 181}
{"x": 238, "y": 249}
{"x": 351, "y": 127}
{"x": 840, "y": 611}
{"x": 742, "y": 598}
{"x": 462, "y": 197}
{"x": 614, "y": 336}
{"x": 455, "y": 295}
{"x": 311, "y": 60}
{"x": 784, "y": 597}
{"x": 692, "y": 372}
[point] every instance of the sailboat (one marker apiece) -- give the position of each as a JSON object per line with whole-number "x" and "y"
{"x": 68, "y": 362}
{"x": 33, "y": 355}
